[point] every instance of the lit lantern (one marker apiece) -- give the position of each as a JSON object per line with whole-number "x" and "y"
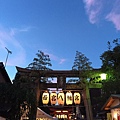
{"x": 77, "y": 98}
{"x": 45, "y": 98}
{"x": 53, "y": 98}
{"x": 61, "y": 98}
{"x": 69, "y": 98}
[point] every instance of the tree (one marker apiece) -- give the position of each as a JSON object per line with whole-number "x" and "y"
{"x": 17, "y": 98}
{"x": 111, "y": 66}
{"x": 24, "y": 97}
{"x": 110, "y": 60}
{"x": 5, "y": 99}
{"x": 42, "y": 62}
{"x": 82, "y": 64}
{"x": 26, "y": 86}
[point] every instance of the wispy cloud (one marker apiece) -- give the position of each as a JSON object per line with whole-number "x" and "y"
{"x": 93, "y": 8}
{"x": 8, "y": 39}
{"x": 56, "y": 58}
{"x": 14, "y": 31}
{"x": 62, "y": 61}
{"x": 114, "y": 15}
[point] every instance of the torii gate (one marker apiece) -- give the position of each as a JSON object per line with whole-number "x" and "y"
{"x": 61, "y": 76}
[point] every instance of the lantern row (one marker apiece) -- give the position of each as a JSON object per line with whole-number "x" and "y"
{"x": 60, "y": 98}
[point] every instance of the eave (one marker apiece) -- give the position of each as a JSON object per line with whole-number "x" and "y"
{"x": 110, "y": 101}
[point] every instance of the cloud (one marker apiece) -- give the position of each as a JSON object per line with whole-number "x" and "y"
{"x": 62, "y": 61}
{"x": 8, "y": 39}
{"x": 93, "y": 8}
{"x": 52, "y": 56}
{"x": 114, "y": 15}
{"x": 56, "y": 58}
{"x": 115, "y": 19}
{"x": 14, "y": 31}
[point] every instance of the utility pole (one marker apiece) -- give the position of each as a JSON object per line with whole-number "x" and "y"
{"x": 9, "y": 52}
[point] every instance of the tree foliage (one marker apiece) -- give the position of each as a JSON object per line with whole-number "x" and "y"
{"x": 24, "y": 95}
{"x": 111, "y": 66}
{"x": 41, "y": 62}
{"x": 81, "y": 62}
{"x": 13, "y": 99}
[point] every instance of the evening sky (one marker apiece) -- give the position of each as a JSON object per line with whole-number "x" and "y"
{"x": 58, "y": 28}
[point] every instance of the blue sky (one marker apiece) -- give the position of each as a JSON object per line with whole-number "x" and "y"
{"x": 58, "y": 28}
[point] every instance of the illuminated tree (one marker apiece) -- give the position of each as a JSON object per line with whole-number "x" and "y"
{"x": 111, "y": 66}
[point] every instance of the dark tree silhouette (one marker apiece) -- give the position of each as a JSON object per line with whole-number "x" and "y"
{"x": 41, "y": 62}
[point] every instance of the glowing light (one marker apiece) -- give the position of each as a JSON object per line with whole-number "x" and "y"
{"x": 61, "y": 98}
{"x": 77, "y": 98}
{"x": 69, "y": 98}
{"x": 53, "y": 98}
{"x": 45, "y": 97}
{"x": 103, "y": 76}
{"x": 64, "y": 111}
{"x": 58, "y": 111}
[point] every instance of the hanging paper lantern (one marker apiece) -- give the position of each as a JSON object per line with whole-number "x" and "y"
{"x": 53, "y": 98}
{"x": 45, "y": 98}
{"x": 61, "y": 98}
{"x": 69, "y": 98}
{"x": 77, "y": 98}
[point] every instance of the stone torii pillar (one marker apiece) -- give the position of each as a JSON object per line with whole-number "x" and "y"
{"x": 87, "y": 100}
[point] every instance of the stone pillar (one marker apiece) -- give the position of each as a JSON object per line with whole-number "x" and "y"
{"x": 87, "y": 102}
